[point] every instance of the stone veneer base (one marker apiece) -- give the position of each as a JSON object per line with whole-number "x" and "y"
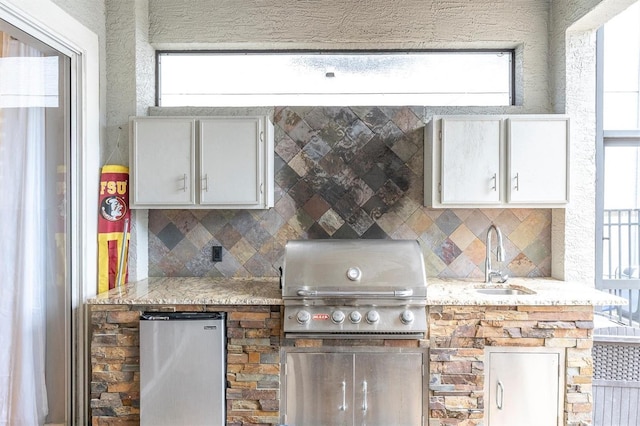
{"x": 459, "y": 334}
{"x": 457, "y": 338}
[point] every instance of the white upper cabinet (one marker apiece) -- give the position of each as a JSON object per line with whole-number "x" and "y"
{"x": 163, "y": 155}
{"x": 496, "y": 161}
{"x": 471, "y": 158}
{"x": 231, "y": 161}
{"x": 230, "y": 158}
{"x": 538, "y": 159}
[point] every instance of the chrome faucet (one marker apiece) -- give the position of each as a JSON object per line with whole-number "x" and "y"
{"x": 489, "y": 273}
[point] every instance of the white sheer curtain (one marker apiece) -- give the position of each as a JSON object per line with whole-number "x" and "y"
{"x": 23, "y": 399}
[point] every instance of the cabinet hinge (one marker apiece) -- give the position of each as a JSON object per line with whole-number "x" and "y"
{"x": 262, "y": 188}
{"x": 439, "y": 187}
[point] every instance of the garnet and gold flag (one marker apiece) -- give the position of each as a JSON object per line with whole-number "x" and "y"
{"x": 113, "y": 227}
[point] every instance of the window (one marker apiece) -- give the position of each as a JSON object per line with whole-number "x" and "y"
{"x": 335, "y": 78}
{"x": 618, "y": 194}
{"x": 621, "y": 75}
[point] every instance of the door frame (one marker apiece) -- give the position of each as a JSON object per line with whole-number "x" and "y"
{"x": 49, "y": 23}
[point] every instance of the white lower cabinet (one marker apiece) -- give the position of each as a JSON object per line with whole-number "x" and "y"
{"x": 347, "y": 388}
{"x": 202, "y": 162}
{"x": 524, "y": 386}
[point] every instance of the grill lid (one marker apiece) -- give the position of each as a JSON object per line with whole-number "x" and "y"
{"x": 353, "y": 268}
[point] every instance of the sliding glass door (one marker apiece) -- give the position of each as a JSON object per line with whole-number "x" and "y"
{"x": 35, "y": 294}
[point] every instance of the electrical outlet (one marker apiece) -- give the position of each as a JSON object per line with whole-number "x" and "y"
{"x": 217, "y": 254}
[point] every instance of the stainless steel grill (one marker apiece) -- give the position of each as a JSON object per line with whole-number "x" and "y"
{"x": 354, "y": 289}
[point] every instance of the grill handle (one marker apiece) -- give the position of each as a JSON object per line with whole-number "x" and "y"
{"x": 319, "y": 293}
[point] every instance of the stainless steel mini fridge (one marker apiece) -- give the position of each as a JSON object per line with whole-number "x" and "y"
{"x": 182, "y": 368}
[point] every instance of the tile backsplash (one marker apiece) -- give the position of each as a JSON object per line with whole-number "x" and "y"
{"x": 346, "y": 173}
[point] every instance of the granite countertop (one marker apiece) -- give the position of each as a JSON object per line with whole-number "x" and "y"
{"x": 548, "y": 291}
{"x": 266, "y": 291}
{"x": 194, "y": 291}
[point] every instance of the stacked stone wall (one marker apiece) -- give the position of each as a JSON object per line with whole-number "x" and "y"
{"x": 458, "y": 337}
{"x": 253, "y": 363}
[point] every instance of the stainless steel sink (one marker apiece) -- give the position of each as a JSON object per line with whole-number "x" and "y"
{"x": 504, "y": 290}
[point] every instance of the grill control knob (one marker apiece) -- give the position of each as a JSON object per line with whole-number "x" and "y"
{"x": 303, "y": 317}
{"x": 406, "y": 317}
{"x": 354, "y": 273}
{"x": 355, "y": 317}
{"x": 337, "y": 317}
{"x": 372, "y": 317}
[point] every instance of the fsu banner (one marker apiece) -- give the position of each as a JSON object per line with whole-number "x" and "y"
{"x": 113, "y": 227}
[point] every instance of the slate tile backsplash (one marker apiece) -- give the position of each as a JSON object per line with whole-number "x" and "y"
{"x": 346, "y": 173}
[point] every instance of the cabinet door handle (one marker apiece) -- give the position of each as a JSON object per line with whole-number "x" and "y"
{"x": 343, "y": 407}
{"x": 517, "y": 184}
{"x": 184, "y": 183}
{"x": 499, "y": 395}
{"x": 205, "y": 187}
{"x": 261, "y": 136}
{"x": 364, "y": 396}
{"x": 495, "y": 182}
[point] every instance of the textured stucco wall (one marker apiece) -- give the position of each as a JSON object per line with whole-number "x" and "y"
{"x": 91, "y": 14}
{"x": 574, "y": 16}
{"x": 372, "y": 24}
{"x": 131, "y": 80}
{"x": 572, "y": 45}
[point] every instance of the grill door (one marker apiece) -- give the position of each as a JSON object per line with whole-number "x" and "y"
{"x": 388, "y": 389}
{"x": 319, "y": 389}
{"x": 354, "y": 388}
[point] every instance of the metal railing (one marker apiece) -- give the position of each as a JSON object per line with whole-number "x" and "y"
{"x": 621, "y": 263}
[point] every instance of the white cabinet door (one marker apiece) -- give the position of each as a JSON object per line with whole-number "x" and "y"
{"x": 231, "y": 161}
{"x": 163, "y": 162}
{"x": 227, "y": 164}
{"x": 524, "y": 387}
{"x": 538, "y": 159}
{"x": 471, "y": 158}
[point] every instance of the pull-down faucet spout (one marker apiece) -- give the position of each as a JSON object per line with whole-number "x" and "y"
{"x": 489, "y": 273}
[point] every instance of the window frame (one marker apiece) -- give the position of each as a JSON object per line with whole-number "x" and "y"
{"x": 510, "y": 51}
{"x": 606, "y": 138}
